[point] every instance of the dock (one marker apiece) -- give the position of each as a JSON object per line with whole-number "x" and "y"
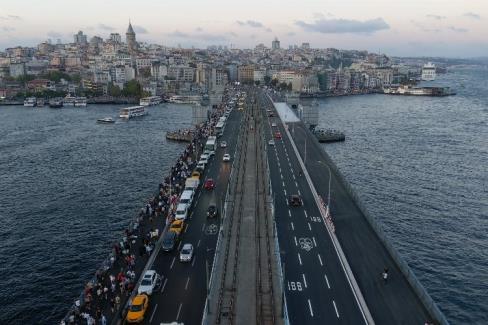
{"x": 180, "y": 136}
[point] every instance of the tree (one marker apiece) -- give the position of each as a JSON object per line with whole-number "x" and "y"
{"x": 257, "y": 82}
{"x": 114, "y": 90}
{"x": 132, "y": 89}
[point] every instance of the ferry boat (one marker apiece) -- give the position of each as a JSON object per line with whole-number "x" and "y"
{"x": 69, "y": 100}
{"x": 106, "y": 120}
{"x": 185, "y": 99}
{"x": 30, "y": 102}
{"x": 133, "y": 111}
{"x": 56, "y": 103}
{"x": 150, "y": 101}
{"x": 419, "y": 91}
{"x": 428, "y": 72}
{"x": 80, "y": 101}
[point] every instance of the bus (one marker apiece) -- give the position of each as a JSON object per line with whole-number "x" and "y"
{"x": 211, "y": 144}
{"x": 219, "y": 128}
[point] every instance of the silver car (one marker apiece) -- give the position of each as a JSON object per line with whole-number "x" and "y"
{"x": 186, "y": 253}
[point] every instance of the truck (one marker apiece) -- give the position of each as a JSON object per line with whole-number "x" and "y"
{"x": 192, "y": 183}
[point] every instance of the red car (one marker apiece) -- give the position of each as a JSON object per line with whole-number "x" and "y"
{"x": 278, "y": 135}
{"x": 209, "y": 184}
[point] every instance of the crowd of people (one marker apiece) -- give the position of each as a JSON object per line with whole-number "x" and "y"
{"x": 105, "y": 295}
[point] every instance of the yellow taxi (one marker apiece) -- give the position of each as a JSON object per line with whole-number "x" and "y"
{"x": 177, "y": 226}
{"x": 196, "y": 174}
{"x": 138, "y": 308}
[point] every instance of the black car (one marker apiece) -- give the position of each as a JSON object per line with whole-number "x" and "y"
{"x": 169, "y": 241}
{"x": 295, "y": 200}
{"x": 212, "y": 211}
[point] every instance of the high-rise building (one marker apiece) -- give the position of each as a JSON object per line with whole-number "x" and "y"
{"x": 80, "y": 38}
{"x": 275, "y": 45}
{"x": 130, "y": 37}
{"x": 116, "y": 38}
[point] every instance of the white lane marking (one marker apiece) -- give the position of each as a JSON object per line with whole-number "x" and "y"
{"x": 310, "y": 307}
{"x": 285, "y": 195}
{"x": 187, "y": 225}
{"x": 283, "y": 184}
{"x": 193, "y": 262}
{"x": 314, "y": 242}
{"x": 292, "y": 226}
{"x": 179, "y": 245}
{"x": 203, "y": 227}
{"x": 296, "y": 184}
{"x": 187, "y": 281}
{"x": 296, "y": 243}
{"x": 320, "y": 260}
{"x": 327, "y": 280}
{"x": 281, "y": 176}
{"x": 198, "y": 244}
{"x": 304, "y": 280}
{"x": 309, "y": 226}
{"x": 293, "y": 175}
{"x": 299, "y": 259}
{"x": 172, "y": 263}
{"x": 289, "y": 213}
{"x": 306, "y": 215}
{"x": 179, "y": 310}
{"x": 164, "y": 285}
{"x": 152, "y": 315}
{"x": 299, "y": 193}
{"x": 335, "y": 307}
{"x": 280, "y": 170}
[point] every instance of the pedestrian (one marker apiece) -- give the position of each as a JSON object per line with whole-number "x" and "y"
{"x": 117, "y": 302}
{"x": 112, "y": 305}
{"x": 103, "y": 320}
{"x": 385, "y": 275}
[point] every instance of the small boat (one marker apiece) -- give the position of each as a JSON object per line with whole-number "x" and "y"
{"x": 56, "y": 103}
{"x": 30, "y": 102}
{"x": 133, "y": 111}
{"x": 106, "y": 120}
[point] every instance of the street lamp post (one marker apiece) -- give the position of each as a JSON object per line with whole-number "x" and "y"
{"x": 330, "y": 177}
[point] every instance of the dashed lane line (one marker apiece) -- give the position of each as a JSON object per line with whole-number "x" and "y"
{"x": 310, "y": 307}
{"x": 193, "y": 262}
{"x": 327, "y": 280}
{"x": 292, "y": 226}
{"x": 179, "y": 310}
{"x": 304, "y": 280}
{"x": 300, "y": 259}
{"x": 314, "y": 242}
{"x": 152, "y": 315}
{"x": 187, "y": 281}
{"x": 172, "y": 263}
{"x": 306, "y": 215}
{"x": 164, "y": 285}
{"x": 199, "y": 241}
{"x": 335, "y": 307}
{"x": 320, "y": 260}
{"x": 309, "y": 226}
{"x": 289, "y": 213}
{"x": 295, "y": 238}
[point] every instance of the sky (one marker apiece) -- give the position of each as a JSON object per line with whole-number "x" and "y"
{"x": 447, "y": 28}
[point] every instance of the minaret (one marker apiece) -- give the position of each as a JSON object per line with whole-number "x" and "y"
{"x": 131, "y": 39}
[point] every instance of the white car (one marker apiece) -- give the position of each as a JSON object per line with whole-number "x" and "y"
{"x": 223, "y": 144}
{"x": 226, "y": 157}
{"x": 151, "y": 281}
{"x": 271, "y": 142}
{"x": 205, "y": 156}
{"x": 273, "y": 124}
{"x": 186, "y": 253}
{"x": 208, "y": 153}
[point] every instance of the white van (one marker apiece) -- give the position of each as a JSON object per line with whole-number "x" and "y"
{"x": 181, "y": 211}
{"x": 186, "y": 197}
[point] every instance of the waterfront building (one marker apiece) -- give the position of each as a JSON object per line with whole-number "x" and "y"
{"x": 17, "y": 69}
{"x": 245, "y": 73}
{"x": 428, "y": 72}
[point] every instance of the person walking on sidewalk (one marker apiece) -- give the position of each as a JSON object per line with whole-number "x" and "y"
{"x": 385, "y": 275}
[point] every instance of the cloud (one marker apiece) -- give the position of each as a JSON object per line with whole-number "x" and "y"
{"x": 251, "y": 23}
{"x": 342, "y": 26}
{"x": 290, "y": 34}
{"x": 472, "y": 15}
{"x": 139, "y": 29}
{"x": 437, "y": 17}
{"x": 10, "y": 17}
{"x": 105, "y": 27}
{"x": 423, "y": 28}
{"x": 199, "y": 29}
{"x": 178, "y": 34}
{"x": 269, "y": 30}
{"x": 458, "y": 30}
{"x": 233, "y": 34}
{"x": 54, "y": 34}
{"x": 7, "y": 29}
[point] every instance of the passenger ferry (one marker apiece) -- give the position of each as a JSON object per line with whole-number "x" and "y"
{"x": 69, "y": 100}
{"x": 185, "y": 99}
{"x": 133, "y": 111}
{"x": 80, "y": 102}
{"x": 150, "y": 101}
{"x": 428, "y": 72}
{"x": 30, "y": 102}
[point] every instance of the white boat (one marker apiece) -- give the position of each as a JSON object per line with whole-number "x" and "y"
{"x": 106, "y": 120}
{"x": 185, "y": 99}
{"x": 428, "y": 72}
{"x": 150, "y": 101}
{"x": 133, "y": 111}
{"x": 30, "y": 102}
{"x": 69, "y": 100}
{"x": 80, "y": 102}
